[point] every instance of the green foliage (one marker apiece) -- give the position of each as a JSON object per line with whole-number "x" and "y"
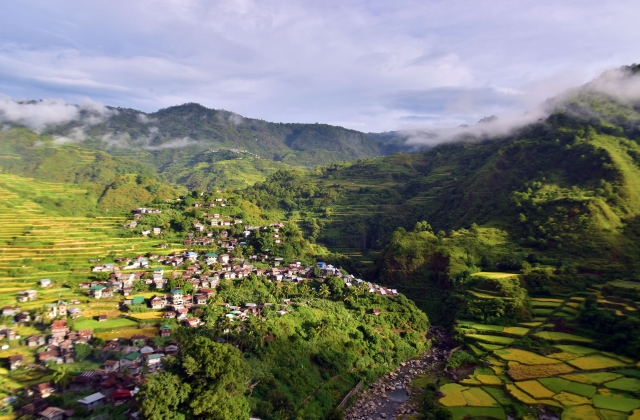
{"x": 460, "y": 358}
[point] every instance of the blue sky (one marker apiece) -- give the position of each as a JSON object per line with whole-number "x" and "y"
{"x": 367, "y": 65}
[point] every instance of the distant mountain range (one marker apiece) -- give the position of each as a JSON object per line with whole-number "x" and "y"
{"x": 193, "y": 126}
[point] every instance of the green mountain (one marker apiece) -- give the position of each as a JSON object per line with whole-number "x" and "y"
{"x": 560, "y": 194}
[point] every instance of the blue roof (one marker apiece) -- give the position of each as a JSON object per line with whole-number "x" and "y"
{"x": 192, "y": 254}
{"x": 211, "y": 254}
{"x": 174, "y": 291}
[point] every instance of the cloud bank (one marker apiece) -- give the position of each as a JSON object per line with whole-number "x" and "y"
{"x": 375, "y": 65}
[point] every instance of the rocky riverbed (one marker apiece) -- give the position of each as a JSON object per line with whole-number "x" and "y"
{"x": 390, "y": 396}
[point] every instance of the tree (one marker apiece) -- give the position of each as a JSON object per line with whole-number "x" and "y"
{"x": 287, "y": 288}
{"x": 62, "y": 377}
{"x": 218, "y": 375}
{"x": 187, "y": 288}
{"x": 324, "y": 291}
{"x": 139, "y": 286}
{"x": 336, "y": 285}
{"x": 82, "y": 351}
{"x": 161, "y": 396}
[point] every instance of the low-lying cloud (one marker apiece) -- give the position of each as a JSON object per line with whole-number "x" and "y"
{"x": 45, "y": 113}
{"x": 620, "y": 84}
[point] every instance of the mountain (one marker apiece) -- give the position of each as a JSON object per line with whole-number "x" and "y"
{"x": 558, "y": 194}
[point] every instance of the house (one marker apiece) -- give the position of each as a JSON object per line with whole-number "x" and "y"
{"x": 111, "y": 365}
{"x": 27, "y": 295}
{"x": 45, "y": 282}
{"x": 120, "y": 396}
{"x": 169, "y": 315}
{"x": 165, "y": 331}
{"x": 157, "y": 303}
{"x": 201, "y": 299}
{"x": 107, "y": 293}
{"x": 223, "y": 259}
{"x": 62, "y": 309}
{"x": 153, "y": 360}
{"x": 102, "y": 318}
{"x": 376, "y": 311}
{"x": 92, "y": 401}
{"x": 85, "y": 335}
{"x": 96, "y": 291}
{"x": 171, "y": 349}
{"x": 10, "y": 334}
{"x": 51, "y": 310}
{"x": 54, "y": 413}
{"x": 23, "y": 317}
{"x": 36, "y": 341}
{"x": 139, "y": 340}
{"x": 74, "y": 312}
{"x": 192, "y": 322}
{"x": 43, "y": 390}
{"x": 160, "y": 283}
{"x": 177, "y": 297}
{"x": 157, "y": 231}
{"x": 15, "y": 361}
{"x": 59, "y": 329}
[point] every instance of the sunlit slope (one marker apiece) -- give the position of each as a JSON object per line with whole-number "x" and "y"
{"x": 35, "y": 243}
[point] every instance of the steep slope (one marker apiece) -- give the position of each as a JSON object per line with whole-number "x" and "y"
{"x": 112, "y": 183}
{"x": 565, "y": 188}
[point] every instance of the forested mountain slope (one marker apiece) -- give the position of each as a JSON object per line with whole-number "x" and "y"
{"x": 560, "y": 193}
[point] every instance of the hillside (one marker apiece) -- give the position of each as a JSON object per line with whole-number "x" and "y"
{"x": 561, "y": 193}
{"x": 111, "y": 182}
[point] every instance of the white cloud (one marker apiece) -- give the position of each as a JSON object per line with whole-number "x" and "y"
{"x": 321, "y": 61}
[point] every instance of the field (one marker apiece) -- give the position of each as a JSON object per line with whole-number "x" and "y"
{"x": 572, "y": 376}
{"x": 37, "y": 243}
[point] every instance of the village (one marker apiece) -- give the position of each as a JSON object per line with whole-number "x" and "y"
{"x": 166, "y": 291}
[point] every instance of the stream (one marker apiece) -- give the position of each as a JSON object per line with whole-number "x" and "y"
{"x": 389, "y": 396}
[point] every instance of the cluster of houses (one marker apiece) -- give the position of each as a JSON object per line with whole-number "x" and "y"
{"x": 117, "y": 382}
{"x": 57, "y": 348}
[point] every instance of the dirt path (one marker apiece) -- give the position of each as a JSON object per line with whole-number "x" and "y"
{"x": 389, "y": 396}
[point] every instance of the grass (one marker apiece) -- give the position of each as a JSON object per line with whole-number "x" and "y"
{"x": 460, "y": 413}
{"x": 149, "y": 332}
{"x": 593, "y": 378}
{"x": 521, "y": 372}
{"x": 453, "y": 395}
{"x": 491, "y": 339}
{"x": 519, "y": 395}
{"x": 524, "y": 357}
{"x": 494, "y": 275}
{"x": 554, "y": 384}
{"x": 596, "y": 361}
{"x": 535, "y": 389}
{"x": 477, "y": 397}
{"x": 580, "y": 412}
{"x": 110, "y": 323}
{"x": 558, "y": 336}
{"x": 568, "y": 400}
{"x": 518, "y": 331}
{"x": 625, "y": 384}
{"x": 489, "y": 379}
{"x": 579, "y": 350}
{"x": 498, "y": 395}
{"x": 616, "y": 403}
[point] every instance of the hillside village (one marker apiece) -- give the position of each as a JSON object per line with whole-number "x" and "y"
{"x": 151, "y": 293}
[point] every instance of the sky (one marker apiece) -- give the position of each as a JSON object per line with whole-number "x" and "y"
{"x": 367, "y": 65}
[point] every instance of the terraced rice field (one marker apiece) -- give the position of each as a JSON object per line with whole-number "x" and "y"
{"x": 34, "y": 244}
{"x": 578, "y": 380}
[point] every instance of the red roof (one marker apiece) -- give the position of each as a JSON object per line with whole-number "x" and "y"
{"x": 121, "y": 394}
